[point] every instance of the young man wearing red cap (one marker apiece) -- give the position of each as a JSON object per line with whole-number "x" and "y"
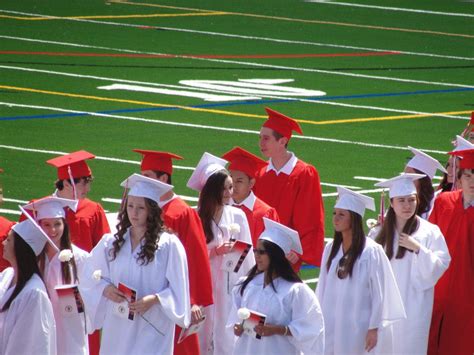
{"x": 292, "y": 187}
{"x": 185, "y": 222}
{"x": 243, "y": 168}
{"x": 452, "y": 323}
{"x": 88, "y": 224}
{"x": 5, "y": 226}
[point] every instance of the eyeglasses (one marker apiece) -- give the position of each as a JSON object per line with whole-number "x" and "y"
{"x": 341, "y": 269}
{"x": 259, "y": 251}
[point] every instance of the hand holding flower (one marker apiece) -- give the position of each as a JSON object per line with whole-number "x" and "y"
{"x": 409, "y": 242}
{"x": 114, "y": 294}
{"x": 144, "y": 304}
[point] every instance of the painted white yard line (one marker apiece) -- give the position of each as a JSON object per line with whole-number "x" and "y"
{"x": 311, "y": 281}
{"x": 387, "y": 8}
{"x": 369, "y": 191}
{"x": 224, "y": 129}
{"x": 8, "y": 211}
{"x": 15, "y": 200}
{"x": 368, "y": 178}
{"x": 119, "y": 201}
{"x": 320, "y": 102}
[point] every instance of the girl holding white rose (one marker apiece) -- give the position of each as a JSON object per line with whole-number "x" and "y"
{"x": 61, "y": 270}
{"x": 223, "y": 225}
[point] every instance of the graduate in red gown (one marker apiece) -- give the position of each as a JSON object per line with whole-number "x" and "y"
{"x": 243, "y": 168}
{"x": 452, "y": 324}
{"x": 292, "y": 187}
{"x": 88, "y": 224}
{"x": 5, "y": 226}
{"x": 186, "y": 224}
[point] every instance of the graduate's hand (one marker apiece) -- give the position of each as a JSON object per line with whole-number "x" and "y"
{"x": 196, "y": 313}
{"x": 371, "y": 339}
{"x": 224, "y": 248}
{"x": 114, "y": 294}
{"x": 238, "y": 329}
{"x": 292, "y": 257}
{"x": 409, "y": 242}
{"x": 269, "y": 330}
{"x": 144, "y": 304}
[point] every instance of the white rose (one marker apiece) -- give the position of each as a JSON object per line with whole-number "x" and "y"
{"x": 65, "y": 255}
{"x": 243, "y": 313}
{"x": 97, "y": 275}
{"x": 371, "y": 223}
{"x": 234, "y": 228}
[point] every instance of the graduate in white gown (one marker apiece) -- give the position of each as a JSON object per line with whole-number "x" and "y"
{"x": 223, "y": 224}
{"x": 26, "y": 314}
{"x": 144, "y": 258}
{"x": 419, "y": 256}
{"x": 294, "y": 321}
{"x": 70, "y": 321}
{"x": 357, "y": 290}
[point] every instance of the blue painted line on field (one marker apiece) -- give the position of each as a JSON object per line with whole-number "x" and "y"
{"x": 239, "y": 103}
{"x": 308, "y": 267}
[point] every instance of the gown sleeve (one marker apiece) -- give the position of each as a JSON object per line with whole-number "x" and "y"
{"x": 307, "y": 324}
{"x": 432, "y": 260}
{"x": 387, "y": 304}
{"x": 323, "y": 272}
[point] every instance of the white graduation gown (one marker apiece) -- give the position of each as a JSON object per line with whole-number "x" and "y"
{"x": 27, "y": 327}
{"x": 214, "y": 336}
{"x": 166, "y": 276}
{"x": 416, "y": 276}
{"x": 70, "y": 329}
{"x": 369, "y": 299}
{"x": 293, "y": 304}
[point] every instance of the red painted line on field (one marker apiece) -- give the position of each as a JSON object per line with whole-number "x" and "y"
{"x": 207, "y": 56}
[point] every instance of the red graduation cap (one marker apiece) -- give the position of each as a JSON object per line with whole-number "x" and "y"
{"x": 467, "y": 161}
{"x": 157, "y": 161}
{"x": 74, "y": 161}
{"x": 244, "y": 161}
{"x": 281, "y": 123}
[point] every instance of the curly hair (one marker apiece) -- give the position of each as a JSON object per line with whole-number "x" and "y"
{"x": 154, "y": 228}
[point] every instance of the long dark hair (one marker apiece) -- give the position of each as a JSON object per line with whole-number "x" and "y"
{"x": 210, "y": 199}
{"x": 346, "y": 264}
{"x": 386, "y": 235}
{"x": 65, "y": 243}
{"x": 154, "y": 228}
{"x": 279, "y": 267}
{"x": 27, "y": 266}
{"x": 425, "y": 192}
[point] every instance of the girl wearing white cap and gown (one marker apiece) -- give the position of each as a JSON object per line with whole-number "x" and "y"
{"x": 62, "y": 276}
{"x": 419, "y": 256}
{"x": 26, "y": 315}
{"x": 294, "y": 321}
{"x": 135, "y": 284}
{"x": 222, "y": 225}
{"x": 422, "y": 163}
{"x": 357, "y": 290}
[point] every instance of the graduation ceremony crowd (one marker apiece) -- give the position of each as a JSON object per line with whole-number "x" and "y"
{"x": 161, "y": 277}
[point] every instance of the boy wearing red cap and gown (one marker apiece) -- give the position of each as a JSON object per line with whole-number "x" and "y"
{"x": 292, "y": 187}
{"x": 5, "y": 226}
{"x": 452, "y": 324}
{"x": 243, "y": 168}
{"x": 88, "y": 224}
{"x": 185, "y": 222}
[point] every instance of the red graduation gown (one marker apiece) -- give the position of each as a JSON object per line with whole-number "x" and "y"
{"x": 298, "y": 200}
{"x": 452, "y": 324}
{"x": 255, "y": 217}
{"x": 185, "y": 222}
{"x": 5, "y": 226}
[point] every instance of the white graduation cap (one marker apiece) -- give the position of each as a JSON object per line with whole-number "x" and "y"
{"x": 424, "y": 163}
{"x": 207, "y": 166}
{"x": 286, "y": 238}
{"x": 353, "y": 201}
{"x": 462, "y": 144}
{"x": 32, "y": 234}
{"x": 142, "y": 186}
{"x": 402, "y": 185}
{"x": 51, "y": 207}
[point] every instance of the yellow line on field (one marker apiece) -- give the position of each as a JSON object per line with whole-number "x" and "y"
{"x": 230, "y": 113}
{"x": 143, "y": 103}
{"x": 112, "y": 16}
{"x": 302, "y": 20}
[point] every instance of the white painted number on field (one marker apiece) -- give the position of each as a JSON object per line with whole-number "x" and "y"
{"x": 222, "y": 90}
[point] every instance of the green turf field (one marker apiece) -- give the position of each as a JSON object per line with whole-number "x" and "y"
{"x": 391, "y": 73}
